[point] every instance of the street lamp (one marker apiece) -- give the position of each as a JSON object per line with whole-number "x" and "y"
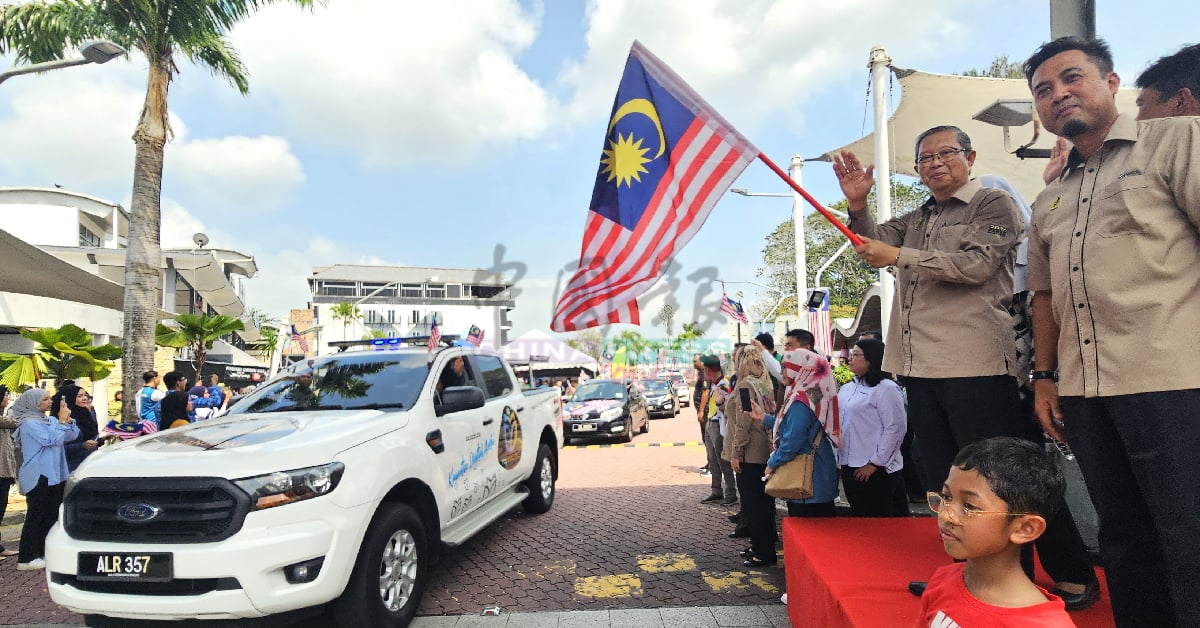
{"x": 98, "y": 51}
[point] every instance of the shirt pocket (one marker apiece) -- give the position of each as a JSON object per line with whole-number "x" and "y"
{"x": 950, "y": 238}
{"x": 1118, "y": 205}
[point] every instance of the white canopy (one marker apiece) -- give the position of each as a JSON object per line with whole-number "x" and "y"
{"x": 534, "y": 345}
{"x": 928, "y": 100}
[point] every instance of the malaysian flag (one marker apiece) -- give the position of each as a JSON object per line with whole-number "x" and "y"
{"x": 733, "y": 309}
{"x": 821, "y": 327}
{"x": 475, "y": 335}
{"x": 434, "y": 335}
{"x": 667, "y": 158}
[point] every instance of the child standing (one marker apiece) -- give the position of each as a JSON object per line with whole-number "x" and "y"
{"x": 997, "y": 498}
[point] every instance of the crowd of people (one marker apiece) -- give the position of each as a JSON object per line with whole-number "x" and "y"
{"x": 44, "y": 436}
{"x": 1013, "y": 323}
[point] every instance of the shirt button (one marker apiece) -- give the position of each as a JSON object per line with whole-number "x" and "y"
{"x": 1075, "y": 268}
{"x": 1078, "y": 233}
{"x": 1087, "y": 341}
{"x": 906, "y": 331}
{"x": 1083, "y": 200}
{"x": 1091, "y": 169}
{"x": 1081, "y": 306}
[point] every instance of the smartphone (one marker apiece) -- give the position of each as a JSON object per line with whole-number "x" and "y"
{"x": 744, "y": 393}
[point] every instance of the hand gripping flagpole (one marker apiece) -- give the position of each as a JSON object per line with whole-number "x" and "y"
{"x": 811, "y": 201}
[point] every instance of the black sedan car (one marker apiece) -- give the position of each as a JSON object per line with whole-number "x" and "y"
{"x": 660, "y": 398}
{"x": 605, "y": 408}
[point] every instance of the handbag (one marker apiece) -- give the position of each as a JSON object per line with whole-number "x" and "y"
{"x": 794, "y": 478}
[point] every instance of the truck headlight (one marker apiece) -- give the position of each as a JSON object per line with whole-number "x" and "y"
{"x": 286, "y": 487}
{"x": 612, "y": 413}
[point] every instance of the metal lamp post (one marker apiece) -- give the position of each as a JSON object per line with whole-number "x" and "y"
{"x": 98, "y": 51}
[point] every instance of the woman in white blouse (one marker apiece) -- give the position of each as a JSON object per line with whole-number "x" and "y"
{"x": 873, "y": 426}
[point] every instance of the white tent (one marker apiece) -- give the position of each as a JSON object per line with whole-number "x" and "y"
{"x": 546, "y": 353}
{"x": 978, "y": 106}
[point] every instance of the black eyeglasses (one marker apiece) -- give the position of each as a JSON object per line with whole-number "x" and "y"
{"x": 943, "y": 155}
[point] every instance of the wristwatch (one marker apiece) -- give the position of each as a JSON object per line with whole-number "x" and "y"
{"x": 1051, "y": 375}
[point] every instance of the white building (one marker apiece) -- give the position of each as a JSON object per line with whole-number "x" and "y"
{"x": 62, "y": 260}
{"x": 403, "y": 301}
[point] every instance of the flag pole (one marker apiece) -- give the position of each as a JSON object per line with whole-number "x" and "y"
{"x": 811, "y": 201}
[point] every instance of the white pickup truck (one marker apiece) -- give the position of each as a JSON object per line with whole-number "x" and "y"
{"x": 339, "y": 482}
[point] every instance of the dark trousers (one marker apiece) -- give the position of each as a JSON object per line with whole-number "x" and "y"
{"x": 1138, "y": 457}
{"x": 949, "y": 414}
{"x": 758, "y": 510}
{"x": 877, "y": 497}
{"x": 823, "y": 509}
{"x": 5, "y": 487}
{"x": 41, "y": 513}
{"x": 721, "y": 471}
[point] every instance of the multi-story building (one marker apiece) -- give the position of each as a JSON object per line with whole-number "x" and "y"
{"x": 62, "y": 256}
{"x": 399, "y": 301}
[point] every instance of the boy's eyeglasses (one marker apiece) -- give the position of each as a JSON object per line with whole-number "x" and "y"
{"x": 937, "y": 502}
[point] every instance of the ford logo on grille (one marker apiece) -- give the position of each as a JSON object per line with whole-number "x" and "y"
{"x": 136, "y": 512}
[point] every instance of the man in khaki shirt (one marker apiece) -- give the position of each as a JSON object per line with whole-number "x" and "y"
{"x": 950, "y": 337}
{"x": 1114, "y": 259}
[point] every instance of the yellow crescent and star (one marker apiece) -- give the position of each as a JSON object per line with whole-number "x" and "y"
{"x": 624, "y": 160}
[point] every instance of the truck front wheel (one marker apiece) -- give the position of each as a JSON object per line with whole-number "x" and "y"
{"x": 541, "y": 483}
{"x": 389, "y": 576}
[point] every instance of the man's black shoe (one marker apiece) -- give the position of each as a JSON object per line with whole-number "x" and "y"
{"x": 739, "y": 534}
{"x": 1080, "y": 601}
{"x": 711, "y": 498}
{"x": 917, "y": 587}
{"x": 735, "y": 517}
{"x": 729, "y": 501}
{"x": 758, "y": 562}
{"x": 746, "y": 554}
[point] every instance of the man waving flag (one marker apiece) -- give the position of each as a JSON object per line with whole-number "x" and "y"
{"x": 667, "y": 158}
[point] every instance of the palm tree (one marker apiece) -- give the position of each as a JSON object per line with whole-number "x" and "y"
{"x": 197, "y": 332}
{"x": 66, "y": 353}
{"x": 634, "y": 344}
{"x": 268, "y": 342}
{"x": 345, "y": 312}
{"x": 691, "y": 333}
{"x": 42, "y": 30}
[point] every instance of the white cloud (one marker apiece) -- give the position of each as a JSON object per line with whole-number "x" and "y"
{"x": 399, "y": 82}
{"x": 751, "y": 59}
{"x": 236, "y": 172}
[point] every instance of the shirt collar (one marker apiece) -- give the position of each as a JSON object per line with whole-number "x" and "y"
{"x": 1123, "y": 129}
{"x": 963, "y": 195}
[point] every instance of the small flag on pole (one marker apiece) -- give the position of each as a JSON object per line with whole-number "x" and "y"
{"x": 820, "y": 324}
{"x": 434, "y": 335}
{"x": 475, "y": 335}
{"x": 733, "y": 309}
{"x": 667, "y": 158}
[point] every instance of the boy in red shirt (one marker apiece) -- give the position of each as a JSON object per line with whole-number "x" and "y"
{"x": 997, "y": 498}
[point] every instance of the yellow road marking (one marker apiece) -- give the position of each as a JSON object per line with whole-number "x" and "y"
{"x": 666, "y": 563}
{"x": 616, "y": 585}
{"x": 720, "y": 581}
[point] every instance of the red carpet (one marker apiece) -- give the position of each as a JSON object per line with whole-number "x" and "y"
{"x": 855, "y": 572}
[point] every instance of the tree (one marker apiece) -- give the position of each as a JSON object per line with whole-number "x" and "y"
{"x": 634, "y": 344}
{"x": 588, "y": 341}
{"x": 688, "y": 337}
{"x": 847, "y": 277}
{"x": 197, "y": 332}
{"x": 259, "y": 318}
{"x": 42, "y": 30}
{"x": 268, "y": 342}
{"x": 1001, "y": 67}
{"x": 66, "y": 353}
{"x": 345, "y": 312}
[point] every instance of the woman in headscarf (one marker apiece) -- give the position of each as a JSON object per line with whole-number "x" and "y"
{"x": 749, "y": 443}
{"x": 42, "y": 473}
{"x": 8, "y": 461}
{"x": 203, "y": 407}
{"x": 809, "y": 409}
{"x": 79, "y": 405}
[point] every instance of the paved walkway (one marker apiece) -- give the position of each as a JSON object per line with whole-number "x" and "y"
{"x": 765, "y": 616}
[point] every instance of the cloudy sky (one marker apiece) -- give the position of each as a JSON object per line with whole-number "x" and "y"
{"x": 466, "y": 133}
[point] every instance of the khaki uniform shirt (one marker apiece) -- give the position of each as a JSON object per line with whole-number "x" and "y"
{"x": 1114, "y": 239}
{"x": 953, "y": 285}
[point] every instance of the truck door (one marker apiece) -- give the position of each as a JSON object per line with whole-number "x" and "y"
{"x": 515, "y": 450}
{"x": 468, "y": 437}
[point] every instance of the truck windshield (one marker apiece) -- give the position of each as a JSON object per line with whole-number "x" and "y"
{"x": 373, "y": 380}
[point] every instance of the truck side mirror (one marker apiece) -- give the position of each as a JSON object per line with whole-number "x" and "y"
{"x": 459, "y": 398}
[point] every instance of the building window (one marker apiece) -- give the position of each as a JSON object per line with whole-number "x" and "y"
{"x": 435, "y": 291}
{"x": 454, "y": 291}
{"x": 385, "y": 290}
{"x": 391, "y": 316}
{"x": 337, "y": 289}
{"x": 372, "y": 315}
{"x": 411, "y": 290}
{"x": 484, "y": 292}
{"x": 416, "y": 317}
{"x": 87, "y": 238}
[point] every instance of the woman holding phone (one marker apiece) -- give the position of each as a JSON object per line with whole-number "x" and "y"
{"x": 749, "y": 447}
